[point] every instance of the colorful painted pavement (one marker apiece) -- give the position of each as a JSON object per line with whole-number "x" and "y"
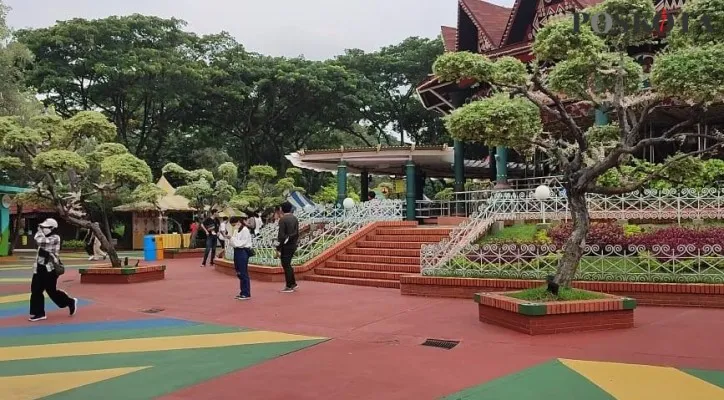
{"x": 132, "y": 359}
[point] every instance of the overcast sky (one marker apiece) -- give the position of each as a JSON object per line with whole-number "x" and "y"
{"x": 318, "y": 29}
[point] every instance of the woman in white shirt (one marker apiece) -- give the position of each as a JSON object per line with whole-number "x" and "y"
{"x": 241, "y": 241}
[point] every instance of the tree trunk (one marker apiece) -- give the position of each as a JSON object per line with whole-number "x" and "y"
{"x": 97, "y": 231}
{"x": 573, "y": 247}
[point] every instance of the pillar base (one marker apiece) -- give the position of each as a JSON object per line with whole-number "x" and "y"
{"x": 502, "y": 185}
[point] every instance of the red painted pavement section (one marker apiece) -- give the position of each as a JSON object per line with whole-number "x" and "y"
{"x": 375, "y": 352}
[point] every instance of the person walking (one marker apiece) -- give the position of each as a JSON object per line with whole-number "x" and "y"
{"x": 223, "y": 235}
{"x": 98, "y": 253}
{"x": 45, "y": 277}
{"x": 288, "y": 238}
{"x": 242, "y": 244}
{"x": 194, "y": 233}
{"x": 211, "y": 228}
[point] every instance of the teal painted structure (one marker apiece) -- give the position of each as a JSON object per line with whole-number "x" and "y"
{"x": 410, "y": 197}
{"x": 601, "y": 117}
{"x": 5, "y": 193}
{"x": 501, "y": 167}
{"x": 341, "y": 183}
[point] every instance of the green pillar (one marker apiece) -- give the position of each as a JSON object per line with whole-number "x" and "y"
{"x": 341, "y": 182}
{"x": 410, "y": 196}
{"x": 5, "y": 230}
{"x": 459, "y": 166}
{"x": 501, "y": 168}
{"x": 365, "y": 185}
{"x": 601, "y": 117}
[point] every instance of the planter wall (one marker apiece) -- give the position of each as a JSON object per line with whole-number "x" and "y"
{"x": 650, "y": 294}
{"x": 612, "y": 312}
{"x": 109, "y": 275}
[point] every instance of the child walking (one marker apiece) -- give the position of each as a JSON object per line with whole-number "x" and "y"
{"x": 242, "y": 244}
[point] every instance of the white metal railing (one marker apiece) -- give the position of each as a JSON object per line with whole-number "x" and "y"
{"x": 323, "y": 227}
{"x": 522, "y": 205}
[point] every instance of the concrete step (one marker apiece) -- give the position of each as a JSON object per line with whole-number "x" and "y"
{"x": 413, "y": 231}
{"x": 379, "y": 259}
{"x": 383, "y": 252}
{"x": 389, "y": 245}
{"x": 409, "y": 269}
{"x": 355, "y": 273}
{"x": 354, "y": 281}
{"x": 407, "y": 238}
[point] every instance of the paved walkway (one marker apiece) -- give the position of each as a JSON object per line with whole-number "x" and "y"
{"x": 375, "y": 351}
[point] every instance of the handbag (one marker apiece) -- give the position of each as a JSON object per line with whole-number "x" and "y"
{"x": 251, "y": 252}
{"x": 58, "y": 266}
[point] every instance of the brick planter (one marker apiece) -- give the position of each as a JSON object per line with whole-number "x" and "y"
{"x": 612, "y": 312}
{"x": 173, "y": 254}
{"x": 646, "y": 294}
{"x": 107, "y": 274}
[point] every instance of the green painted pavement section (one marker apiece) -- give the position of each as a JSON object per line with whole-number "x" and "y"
{"x": 713, "y": 377}
{"x": 551, "y": 380}
{"x": 170, "y": 371}
{"x": 114, "y": 335}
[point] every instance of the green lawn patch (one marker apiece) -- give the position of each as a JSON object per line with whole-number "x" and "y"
{"x": 542, "y": 295}
{"x": 515, "y": 233}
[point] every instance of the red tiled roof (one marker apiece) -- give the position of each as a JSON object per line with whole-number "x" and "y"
{"x": 449, "y": 38}
{"x": 588, "y": 3}
{"x": 490, "y": 17}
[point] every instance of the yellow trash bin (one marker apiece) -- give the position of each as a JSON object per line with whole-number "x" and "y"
{"x": 159, "y": 247}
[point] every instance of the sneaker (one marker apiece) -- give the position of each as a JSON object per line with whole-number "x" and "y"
{"x": 73, "y": 306}
{"x": 242, "y": 297}
{"x": 287, "y": 290}
{"x": 202, "y": 265}
{"x": 34, "y": 318}
{"x": 91, "y": 258}
{"x": 295, "y": 287}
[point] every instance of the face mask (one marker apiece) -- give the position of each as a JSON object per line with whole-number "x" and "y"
{"x": 46, "y": 231}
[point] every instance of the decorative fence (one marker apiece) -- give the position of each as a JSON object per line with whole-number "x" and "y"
{"x": 327, "y": 226}
{"x": 459, "y": 256}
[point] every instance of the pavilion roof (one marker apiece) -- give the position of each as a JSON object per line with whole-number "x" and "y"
{"x": 449, "y": 38}
{"x": 169, "y": 202}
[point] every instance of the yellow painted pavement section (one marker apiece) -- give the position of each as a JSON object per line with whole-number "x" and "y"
{"x": 14, "y": 298}
{"x": 642, "y": 382}
{"x": 29, "y": 387}
{"x": 146, "y": 344}
{"x": 15, "y": 280}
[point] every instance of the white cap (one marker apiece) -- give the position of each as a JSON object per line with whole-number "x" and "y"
{"x": 49, "y": 223}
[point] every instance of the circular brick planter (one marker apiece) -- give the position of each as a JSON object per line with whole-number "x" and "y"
{"x": 184, "y": 253}
{"x": 611, "y": 312}
{"x": 108, "y": 274}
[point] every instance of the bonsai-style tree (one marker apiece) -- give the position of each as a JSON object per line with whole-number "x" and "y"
{"x": 204, "y": 189}
{"x": 262, "y": 191}
{"x": 69, "y": 162}
{"x": 576, "y": 69}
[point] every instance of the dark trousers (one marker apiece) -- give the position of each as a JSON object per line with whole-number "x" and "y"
{"x": 44, "y": 281}
{"x": 241, "y": 264}
{"x": 286, "y": 255}
{"x": 210, "y": 249}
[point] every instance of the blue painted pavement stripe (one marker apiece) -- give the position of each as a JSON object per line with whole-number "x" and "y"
{"x": 23, "y": 310}
{"x": 95, "y": 326}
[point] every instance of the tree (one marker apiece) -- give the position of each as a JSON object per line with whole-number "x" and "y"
{"x": 67, "y": 162}
{"x": 388, "y": 79}
{"x": 596, "y": 72}
{"x": 141, "y": 71}
{"x": 203, "y": 188}
{"x": 263, "y": 192}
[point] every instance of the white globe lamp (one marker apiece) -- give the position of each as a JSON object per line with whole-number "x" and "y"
{"x": 348, "y": 203}
{"x": 542, "y": 193}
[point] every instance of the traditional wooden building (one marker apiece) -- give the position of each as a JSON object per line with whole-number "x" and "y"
{"x": 497, "y": 31}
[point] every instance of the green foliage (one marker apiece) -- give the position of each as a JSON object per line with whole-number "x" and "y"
{"x": 262, "y": 192}
{"x": 59, "y": 161}
{"x": 445, "y": 194}
{"x": 73, "y": 245}
{"x": 510, "y": 71}
{"x": 582, "y": 74}
{"x": 686, "y": 172}
{"x": 631, "y": 230}
{"x": 229, "y": 172}
{"x": 694, "y": 73}
{"x": 558, "y": 41}
{"x": 696, "y": 34}
{"x": 456, "y": 66}
{"x": 603, "y": 133}
{"x": 125, "y": 169}
{"x": 541, "y": 294}
{"x": 88, "y": 125}
{"x": 148, "y": 193}
{"x": 497, "y": 120}
{"x": 202, "y": 187}
{"x": 626, "y": 11}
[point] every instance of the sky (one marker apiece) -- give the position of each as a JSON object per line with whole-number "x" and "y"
{"x": 317, "y": 29}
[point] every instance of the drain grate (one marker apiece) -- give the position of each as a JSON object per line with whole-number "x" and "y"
{"x": 152, "y": 310}
{"x": 443, "y": 344}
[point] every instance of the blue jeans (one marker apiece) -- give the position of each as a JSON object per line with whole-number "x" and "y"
{"x": 210, "y": 248}
{"x": 241, "y": 264}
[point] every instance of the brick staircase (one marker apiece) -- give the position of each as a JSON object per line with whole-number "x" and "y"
{"x": 380, "y": 257}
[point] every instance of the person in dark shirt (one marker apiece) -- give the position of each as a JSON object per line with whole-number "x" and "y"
{"x": 211, "y": 228}
{"x": 288, "y": 239}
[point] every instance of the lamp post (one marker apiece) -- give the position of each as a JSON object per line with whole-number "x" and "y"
{"x": 542, "y": 193}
